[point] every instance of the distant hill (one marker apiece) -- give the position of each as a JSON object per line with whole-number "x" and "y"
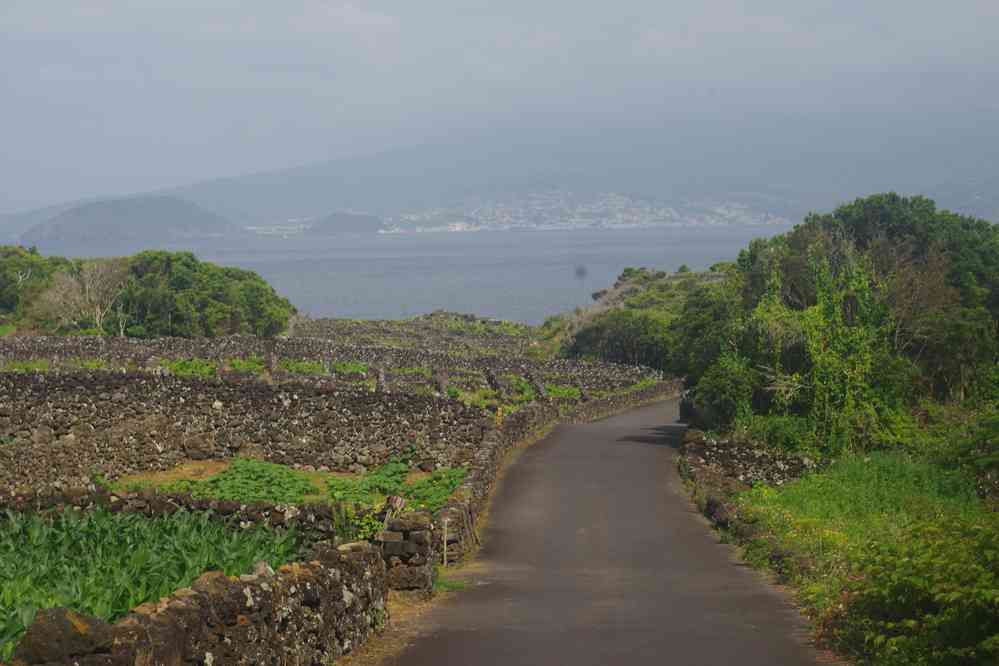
{"x": 152, "y": 221}
{"x": 343, "y": 222}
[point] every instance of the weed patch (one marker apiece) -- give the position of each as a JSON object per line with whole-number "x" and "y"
{"x": 561, "y": 392}
{"x": 253, "y": 365}
{"x": 894, "y": 555}
{"x": 303, "y": 367}
{"x": 350, "y": 368}
{"x": 247, "y": 480}
{"x": 33, "y": 365}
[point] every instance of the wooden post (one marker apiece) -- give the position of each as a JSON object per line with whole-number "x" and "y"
{"x": 444, "y": 542}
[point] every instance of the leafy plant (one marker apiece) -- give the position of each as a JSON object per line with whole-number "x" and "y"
{"x": 302, "y": 366}
{"x": 33, "y": 365}
{"x": 253, "y": 365}
{"x": 350, "y": 367}
{"x": 192, "y": 367}
{"x": 561, "y": 392}
{"x": 248, "y": 480}
{"x": 105, "y": 564}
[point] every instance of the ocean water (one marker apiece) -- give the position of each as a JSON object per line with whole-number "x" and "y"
{"x": 521, "y": 276}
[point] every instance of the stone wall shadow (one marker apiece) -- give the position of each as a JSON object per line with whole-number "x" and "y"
{"x": 670, "y": 434}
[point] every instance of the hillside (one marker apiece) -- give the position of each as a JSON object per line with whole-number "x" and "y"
{"x": 139, "y": 222}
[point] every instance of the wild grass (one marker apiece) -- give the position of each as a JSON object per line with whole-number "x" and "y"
{"x": 350, "y": 367}
{"x": 7, "y": 329}
{"x": 105, "y": 564}
{"x": 32, "y": 365}
{"x": 878, "y": 546}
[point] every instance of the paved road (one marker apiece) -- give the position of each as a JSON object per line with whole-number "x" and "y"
{"x": 594, "y": 556}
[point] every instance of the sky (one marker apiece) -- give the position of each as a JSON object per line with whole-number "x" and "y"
{"x": 106, "y": 97}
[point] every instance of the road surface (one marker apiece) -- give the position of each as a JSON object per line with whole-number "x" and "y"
{"x": 593, "y": 555}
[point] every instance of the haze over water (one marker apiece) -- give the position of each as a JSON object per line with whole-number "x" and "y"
{"x": 521, "y": 276}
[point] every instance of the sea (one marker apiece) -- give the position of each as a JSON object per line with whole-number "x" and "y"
{"x": 522, "y": 276}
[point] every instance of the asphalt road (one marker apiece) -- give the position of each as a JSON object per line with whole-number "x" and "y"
{"x": 593, "y": 555}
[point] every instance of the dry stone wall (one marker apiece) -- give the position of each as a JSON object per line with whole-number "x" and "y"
{"x": 305, "y": 614}
{"x": 60, "y": 430}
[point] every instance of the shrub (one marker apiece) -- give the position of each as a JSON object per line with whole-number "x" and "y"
{"x": 522, "y": 391}
{"x": 782, "y": 431}
{"x": 931, "y": 597}
{"x": 725, "y": 391}
{"x": 192, "y": 367}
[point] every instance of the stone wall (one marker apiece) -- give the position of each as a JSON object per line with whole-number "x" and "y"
{"x": 528, "y": 424}
{"x": 305, "y": 614}
{"x": 135, "y": 354}
{"x": 59, "y": 430}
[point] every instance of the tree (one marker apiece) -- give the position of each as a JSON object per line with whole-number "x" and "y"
{"x": 84, "y": 294}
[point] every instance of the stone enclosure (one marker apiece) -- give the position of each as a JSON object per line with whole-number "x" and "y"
{"x": 63, "y": 429}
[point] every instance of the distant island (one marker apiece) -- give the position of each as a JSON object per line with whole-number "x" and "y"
{"x": 143, "y": 221}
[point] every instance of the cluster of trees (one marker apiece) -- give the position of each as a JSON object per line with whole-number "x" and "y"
{"x": 150, "y": 294}
{"x": 836, "y": 334}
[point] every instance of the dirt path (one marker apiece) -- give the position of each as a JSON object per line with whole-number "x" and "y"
{"x": 593, "y": 555}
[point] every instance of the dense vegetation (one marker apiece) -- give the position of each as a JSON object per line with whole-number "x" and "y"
{"x": 868, "y": 336}
{"x": 105, "y": 564}
{"x": 148, "y": 295}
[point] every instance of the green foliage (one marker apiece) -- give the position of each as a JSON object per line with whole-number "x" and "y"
{"x": 634, "y": 337}
{"x": 23, "y": 275}
{"x": 350, "y": 367}
{"x": 302, "y": 366}
{"x": 482, "y": 398}
{"x": 906, "y": 543}
{"x": 253, "y": 365}
{"x": 725, "y": 391}
{"x": 105, "y": 564}
{"x": 7, "y": 330}
{"x": 560, "y": 392}
{"x": 430, "y": 493}
{"x": 32, "y": 365}
{"x": 931, "y": 597}
{"x": 175, "y": 294}
{"x": 90, "y": 363}
{"x": 521, "y": 390}
{"x": 247, "y": 480}
{"x": 433, "y": 492}
{"x": 192, "y": 367}
{"x": 444, "y": 583}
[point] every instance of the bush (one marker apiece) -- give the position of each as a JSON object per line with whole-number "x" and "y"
{"x": 725, "y": 391}
{"x": 786, "y": 432}
{"x": 932, "y": 597}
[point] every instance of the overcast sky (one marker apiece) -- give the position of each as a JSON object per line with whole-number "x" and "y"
{"x": 116, "y": 96}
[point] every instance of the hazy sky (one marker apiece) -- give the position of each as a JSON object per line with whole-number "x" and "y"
{"x": 115, "y": 96}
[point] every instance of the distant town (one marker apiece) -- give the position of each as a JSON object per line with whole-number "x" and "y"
{"x": 554, "y": 210}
